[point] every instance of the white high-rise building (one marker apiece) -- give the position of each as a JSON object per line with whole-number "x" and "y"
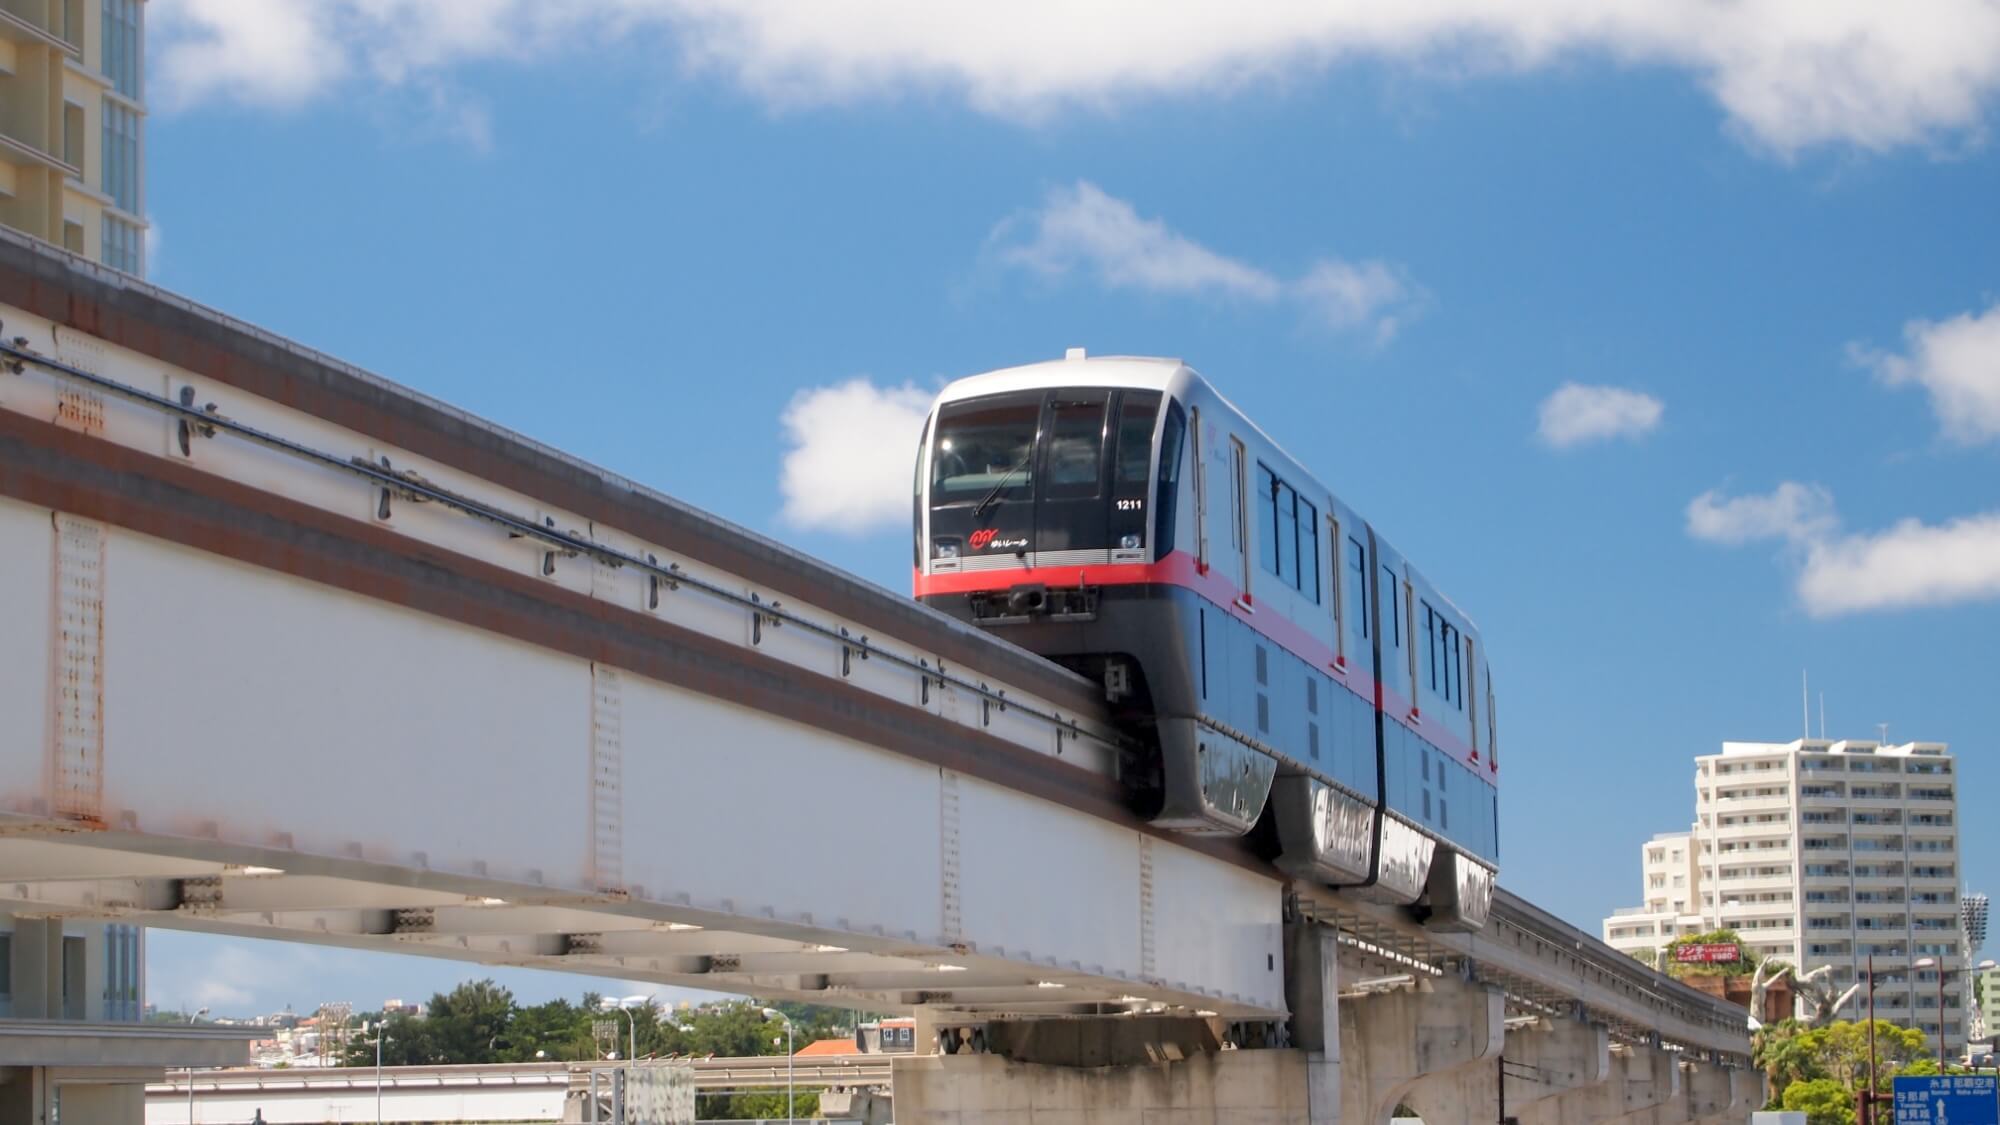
{"x": 1821, "y": 853}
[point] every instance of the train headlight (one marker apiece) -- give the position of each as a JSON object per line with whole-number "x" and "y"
{"x": 1129, "y": 542}
{"x": 945, "y": 549}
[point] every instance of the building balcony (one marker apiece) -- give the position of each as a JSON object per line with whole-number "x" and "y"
{"x": 16, "y": 151}
{"x": 22, "y": 24}
{"x": 1727, "y": 803}
{"x": 1758, "y": 909}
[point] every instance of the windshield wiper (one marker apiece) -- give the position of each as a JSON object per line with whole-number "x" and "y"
{"x": 993, "y": 493}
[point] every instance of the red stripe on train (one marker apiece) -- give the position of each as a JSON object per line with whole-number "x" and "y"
{"x": 1180, "y": 569}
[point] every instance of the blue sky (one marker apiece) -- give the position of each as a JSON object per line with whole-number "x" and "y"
{"x": 731, "y": 252}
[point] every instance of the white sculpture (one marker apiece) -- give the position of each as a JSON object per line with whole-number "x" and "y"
{"x": 1760, "y": 985}
{"x": 1817, "y": 1005}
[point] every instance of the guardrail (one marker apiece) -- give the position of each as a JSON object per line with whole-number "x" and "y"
{"x": 711, "y": 1075}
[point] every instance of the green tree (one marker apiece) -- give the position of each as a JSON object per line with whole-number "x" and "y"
{"x": 1782, "y": 1052}
{"x": 469, "y": 1024}
{"x": 557, "y": 1031}
{"x": 1840, "y": 1050}
{"x": 1825, "y": 1101}
{"x": 409, "y": 1041}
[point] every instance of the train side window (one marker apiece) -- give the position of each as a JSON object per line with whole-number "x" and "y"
{"x": 1395, "y": 603}
{"x": 1270, "y": 519}
{"x": 917, "y": 490}
{"x": 1287, "y": 504}
{"x": 1431, "y": 641}
{"x": 1288, "y": 532}
{"x": 1357, "y": 583}
{"x": 1308, "y": 549}
{"x": 1449, "y": 643}
{"x": 1172, "y": 438}
{"x": 1137, "y": 413}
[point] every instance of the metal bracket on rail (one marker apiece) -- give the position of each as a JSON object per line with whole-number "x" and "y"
{"x": 14, "y": 364}
{"x": 190, "y": 426}
{"x": 758, "y": 616}
{"x": 654, "y": 580}
{"x": 418, "y": 495}
{"x": 568, "y": 552}
{"x": 848, "y": 651}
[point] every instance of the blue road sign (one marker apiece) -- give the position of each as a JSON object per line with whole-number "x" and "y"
{"x": 1956, "y": 1099}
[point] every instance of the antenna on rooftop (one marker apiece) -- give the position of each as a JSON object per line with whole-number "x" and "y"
{"x": 1805, "y": 707}
{"x": 1884, "y": 728}
{"x": 1822, "y": 716}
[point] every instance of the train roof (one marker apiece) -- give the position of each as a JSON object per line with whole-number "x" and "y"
{"x": 1074, "y": 369}
{"x": 1168, "y": 375}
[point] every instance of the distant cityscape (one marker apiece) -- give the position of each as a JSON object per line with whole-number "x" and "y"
{"x": 1827, "y": 856}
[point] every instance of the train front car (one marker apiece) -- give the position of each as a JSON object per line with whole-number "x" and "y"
{"x": 1119, "y": 517}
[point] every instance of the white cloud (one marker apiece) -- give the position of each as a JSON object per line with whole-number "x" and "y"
{"x": 1788, "y": 73}
{"x": 852, "y": 450}
{"x": 1577, "y": 413}
{"x": 1958, "y": 362}
{"x": 1081, "y": 228}
{"x": 1910, "y": 564}
{"x": 1357, "y": 294}
{"x": 1795, "y": 512}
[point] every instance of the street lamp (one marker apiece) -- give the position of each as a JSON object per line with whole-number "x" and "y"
{"x": 191, "y": 1021}
{"x": 631, "y": 1022}
{"x": 1942, "y": 972}
{"x": 790, "y": 1057}
{"x": 1867, "y": 1097}
{"x": 381, "y": 1036}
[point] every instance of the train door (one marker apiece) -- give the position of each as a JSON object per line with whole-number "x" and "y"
{"x": 1239, "y": 516}
{"x": 1071, "y": 512}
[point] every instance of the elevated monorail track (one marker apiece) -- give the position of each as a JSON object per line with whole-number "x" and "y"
{"x": 210, "y": 435}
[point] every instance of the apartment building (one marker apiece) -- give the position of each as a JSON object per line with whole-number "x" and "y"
{"x": 1671, "y": 879}
{"x": 1989, "y": 1002}
{"x": 72, "y": 112}
{"x": 1822, "y": 853}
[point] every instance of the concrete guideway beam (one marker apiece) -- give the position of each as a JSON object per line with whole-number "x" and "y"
{"x": 1733, "y": 1092}
{"x": 1393, "y": 1042}
{"x": 1539, "y": 1061}
{"x": 1707, "y": 1093}
{"x": 1640, "y": 1080}
{"x": 1233, "y": 1087}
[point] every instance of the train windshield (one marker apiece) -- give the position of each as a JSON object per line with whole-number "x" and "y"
{"x": 986, "y": 449}
{"x": 1026, "y": 474}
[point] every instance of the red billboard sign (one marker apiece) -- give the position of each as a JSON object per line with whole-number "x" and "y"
{"x": 1718, "y": 953}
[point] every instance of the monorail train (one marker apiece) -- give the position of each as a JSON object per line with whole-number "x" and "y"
{"x": 1287, "y": 671}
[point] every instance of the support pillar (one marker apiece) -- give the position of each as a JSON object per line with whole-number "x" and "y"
{"x": 37, "y": 963}
{"x": 1540, "y": 1061}
{"x": 1312, "y": 991}
{"x": 1391, "y": 1042}
{"x": 1720, "y": 1095}
{"x": 1640, "y": 1080}
{"x": 1675, "y": 1109}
